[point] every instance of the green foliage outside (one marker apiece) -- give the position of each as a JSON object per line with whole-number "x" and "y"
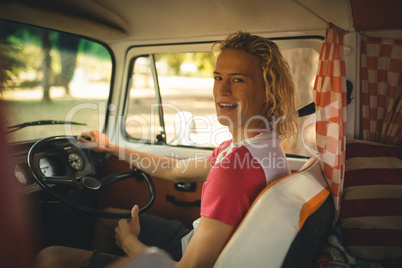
{"x": 22, "y": 53}
{"x": 203, "y": 63}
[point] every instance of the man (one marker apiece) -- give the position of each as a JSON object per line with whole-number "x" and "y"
{"x": 254, "y": 98}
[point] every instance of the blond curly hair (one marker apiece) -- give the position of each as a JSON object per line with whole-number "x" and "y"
{"x": 279, "y": 84}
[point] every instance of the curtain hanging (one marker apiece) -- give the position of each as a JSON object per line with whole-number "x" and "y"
{"x": 381, "y": 87}
{"x": 330, "y": 101}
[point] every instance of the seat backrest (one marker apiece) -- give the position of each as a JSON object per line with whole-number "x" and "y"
{"x": 265, "y": 234}
{"x": 307, "y": 245}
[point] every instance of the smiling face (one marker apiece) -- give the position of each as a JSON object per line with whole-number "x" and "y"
{"x": 239, "y": 90}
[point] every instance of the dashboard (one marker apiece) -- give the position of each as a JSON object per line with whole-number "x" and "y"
{"x": 64, "y": 162}
{"x": 56, "y": 158}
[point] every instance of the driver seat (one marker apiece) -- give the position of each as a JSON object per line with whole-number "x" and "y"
{"x": 273, "y": 224}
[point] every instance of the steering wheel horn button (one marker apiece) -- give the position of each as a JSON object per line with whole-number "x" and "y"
{"x": 91, "y": 183}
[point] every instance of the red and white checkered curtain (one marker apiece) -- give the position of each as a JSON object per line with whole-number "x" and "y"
{"x": 330, "y": 104}
{"x": 381, "y": 86}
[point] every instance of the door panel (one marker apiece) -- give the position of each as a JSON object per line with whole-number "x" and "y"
{"x": 127, "y": 193}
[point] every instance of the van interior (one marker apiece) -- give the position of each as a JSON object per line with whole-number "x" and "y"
{"x": 141, "y": 72}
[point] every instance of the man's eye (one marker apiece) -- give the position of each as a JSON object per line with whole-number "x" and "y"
{"x": 238, "y": 80}
{"x": 218, "y": 78}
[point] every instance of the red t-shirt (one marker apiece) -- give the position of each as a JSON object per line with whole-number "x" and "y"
{"x": 239, "y": 173}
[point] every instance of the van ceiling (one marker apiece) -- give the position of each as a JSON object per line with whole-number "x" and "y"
{"x": 162, "y": 21}
{"x": 377, "y": 15}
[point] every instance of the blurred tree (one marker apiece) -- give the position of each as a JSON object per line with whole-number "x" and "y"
{"x": 46, "y": 66}
{"x": 205, "y": 63}
{"x": 88, "y": 47}
{"x": 8, "y": 63}
{"x": 175, "y": 61}
{"x": 4, "y": 64}
{"x": 68, "y": 48}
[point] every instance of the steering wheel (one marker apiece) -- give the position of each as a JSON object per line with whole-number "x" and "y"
{"x": 85, "y": 185}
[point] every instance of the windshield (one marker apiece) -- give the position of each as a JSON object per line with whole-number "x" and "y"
{"x": 50, "y": 76}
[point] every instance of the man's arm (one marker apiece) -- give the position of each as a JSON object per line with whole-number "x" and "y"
{"x": 204, "y": 248}
{"x": 172, "y": 169}
{"x": 208, "y": 241}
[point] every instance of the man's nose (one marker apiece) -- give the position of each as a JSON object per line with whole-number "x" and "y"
{"x": 224, "y": 88}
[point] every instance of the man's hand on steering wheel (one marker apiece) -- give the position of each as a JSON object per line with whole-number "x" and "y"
{"x": 96, "y": 141}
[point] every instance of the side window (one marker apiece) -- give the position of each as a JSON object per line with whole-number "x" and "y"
{"x": 141, "y": 121}
{"x": 185, "y": 83}
{"x": 182, "y": 83}
{"x": 303, "y": 64}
